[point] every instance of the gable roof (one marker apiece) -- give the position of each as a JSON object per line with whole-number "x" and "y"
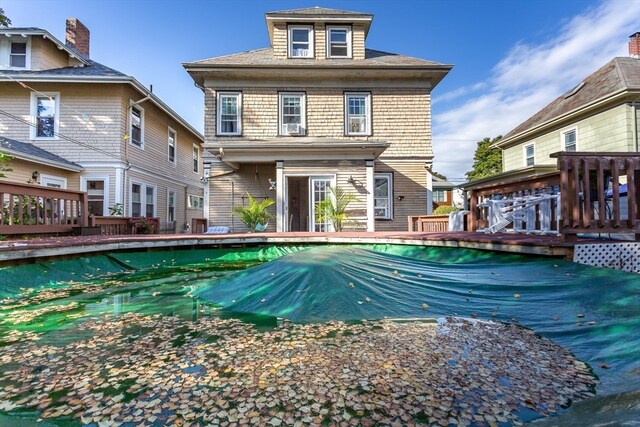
{"x": 31, "y": 152}
{"x": 617, "y": 76}
{"x": 35, "y": 31}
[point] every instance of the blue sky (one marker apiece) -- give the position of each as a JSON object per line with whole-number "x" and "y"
{"x": 510, "y": 57}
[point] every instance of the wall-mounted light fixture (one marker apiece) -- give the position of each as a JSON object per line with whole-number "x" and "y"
{"x": 204, "y": 179}
{"x": 400, "y": 198}
{"x": 35, "y": 175}
{"x": 351, "y": 180}
{"x": 272, "y": 185}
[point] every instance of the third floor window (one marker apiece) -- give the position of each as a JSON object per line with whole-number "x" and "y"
{"x": 339, "y": 42}
{"x": 301, "y": 42}
{"x": 18, "y": 55}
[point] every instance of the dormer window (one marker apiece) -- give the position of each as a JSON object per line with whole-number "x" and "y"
{"x": 301, "y": 42}
{"x": 18, "y": 55}
{"x": 338, "y": 42}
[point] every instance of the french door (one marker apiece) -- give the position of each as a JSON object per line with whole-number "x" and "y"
{"x": 319, "y": 191}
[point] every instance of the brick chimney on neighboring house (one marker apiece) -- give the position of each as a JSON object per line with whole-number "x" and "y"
{"x": 634, "y": 45}
{"x": 77, "y": 36}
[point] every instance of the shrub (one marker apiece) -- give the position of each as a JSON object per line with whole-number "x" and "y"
{"x": 444, "y": 210}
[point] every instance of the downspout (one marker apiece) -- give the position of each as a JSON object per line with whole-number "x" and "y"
{"x": 126, "y": 150}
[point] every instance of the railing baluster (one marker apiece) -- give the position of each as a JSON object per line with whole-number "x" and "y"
{"x": 615, "y": 187}
{"x": 575, "y": 193}
{"x": 631, "y": 192}
{"x": 602, "y": 207}
{"x": 586, "y": 191}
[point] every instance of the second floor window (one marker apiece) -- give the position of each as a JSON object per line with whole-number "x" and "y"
{"x": 529, "y": 155}
{"x": 196, "y": 158}
{"x": 172, "y": 146}
{"x": 569, "y": 140}
{"x": 339, "y": 42}
{"x": 301, "y": 42}
{"x": 229, "y": 119}
{"x": 137, "y": 126}
{"x": 357, "y": 114}
{"x": 18, "y": 55}
{"x": 292, "y": 116}
{"x": 45, "y": 112}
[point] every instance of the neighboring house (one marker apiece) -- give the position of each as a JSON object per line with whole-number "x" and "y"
{"x": 74, "y": 123}
{"x": 600, "y": 114}
{"x": 319, "y": 109}
{"x": 442, "y": 193}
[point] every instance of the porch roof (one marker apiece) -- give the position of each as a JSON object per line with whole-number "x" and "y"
{"x": 260, "y": 151}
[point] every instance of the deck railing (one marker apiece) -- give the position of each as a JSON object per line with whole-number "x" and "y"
{"x": 34, "y": 209}
{"x": 428, "y": 223}
{"x": 601, "y": 193}
{"x": 117, "y": 225}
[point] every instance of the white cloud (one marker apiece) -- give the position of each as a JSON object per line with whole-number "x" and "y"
{"x": 528, "y": 78}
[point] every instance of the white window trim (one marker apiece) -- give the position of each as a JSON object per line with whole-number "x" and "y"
{"x": 6, "y": 52}
{"x": 389, "y": 177}
{"x": 143, "y": 197}
{"x": 290, "y": 40}
{"x": 175, "y": 146}
{"x": 105, "y": 178}
{"x": 444, "y": 194}
{"x": 61, "y": 179}
{"x": 190, "y": 205}
{"x": 196, "y": 147}
{"x": 139, "y": 108}
{"x": 303, "y": 112}
{"x": 524, "y": 154}
{"x": 367, "y": 96}
{"x": 219, "y": 95}
{"x": 562, "y": 136}
{"x": 349, "y": 41}
{"x": 175, "y": 205}
{"x": 34, "y": 116}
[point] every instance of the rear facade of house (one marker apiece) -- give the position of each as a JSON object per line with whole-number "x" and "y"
{"x": 316, "y": 110}
{"x": 73, "y": 123}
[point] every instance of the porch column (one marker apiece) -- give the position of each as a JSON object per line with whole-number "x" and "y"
{"x": 280, "y": 216}
{"x": 429, "y": 192}
{"x": 371, "y": 220}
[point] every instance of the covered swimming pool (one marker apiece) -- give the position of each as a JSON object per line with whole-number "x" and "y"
{"x": 421, "y": 333}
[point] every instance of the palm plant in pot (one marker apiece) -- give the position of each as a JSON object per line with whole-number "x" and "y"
{"x": 334, "y": 209}
{"x": 255, "y": 216}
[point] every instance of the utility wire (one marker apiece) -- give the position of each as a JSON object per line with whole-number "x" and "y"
{"x": 65, "y": 137}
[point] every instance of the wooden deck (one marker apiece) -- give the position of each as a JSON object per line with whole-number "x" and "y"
{"x": 17, "y": 251}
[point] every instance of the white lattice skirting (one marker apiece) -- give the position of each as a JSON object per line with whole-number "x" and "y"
{"x": 619, "y": 256}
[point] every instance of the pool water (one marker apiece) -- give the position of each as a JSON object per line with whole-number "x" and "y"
{"x": 595, "y": 313}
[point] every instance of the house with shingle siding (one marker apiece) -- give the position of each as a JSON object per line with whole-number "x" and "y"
{"x": 319, "y": 109}
{"x": 74, "y": 123}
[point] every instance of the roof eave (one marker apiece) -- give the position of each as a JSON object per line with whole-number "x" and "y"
{"x": 613, "y": 97}
{"x": 42, "y": 160}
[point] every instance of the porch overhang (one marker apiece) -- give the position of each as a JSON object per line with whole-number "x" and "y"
{"x": 236, "y": 152}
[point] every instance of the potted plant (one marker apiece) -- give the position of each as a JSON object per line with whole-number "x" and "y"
{"x": 143, "y": 226}
{"x": 255, "y": 216}
{"x": 334, "y": 209}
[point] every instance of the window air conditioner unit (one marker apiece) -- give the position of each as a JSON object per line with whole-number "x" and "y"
{"x": 293, "y": 129}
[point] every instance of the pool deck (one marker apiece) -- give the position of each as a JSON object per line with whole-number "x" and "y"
{"x": 14, "y": 251}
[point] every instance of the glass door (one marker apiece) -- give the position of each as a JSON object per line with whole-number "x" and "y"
{"x": 319, "y": 191}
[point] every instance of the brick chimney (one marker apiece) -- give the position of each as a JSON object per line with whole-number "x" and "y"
{"x": 77, "y": 36}
{"x": 634, "y": 45}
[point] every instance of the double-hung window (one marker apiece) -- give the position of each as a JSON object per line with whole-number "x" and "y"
{"x": 529, "y": 155}
{"x": 196, "y": 158}
{"x": 229, "y": 117}
{"x": 383, "y": 196}
{"x": 357, "y": 110}
{"x": 171, "y": 205}
{"x": 292, "y": 113}
{"x": 195, "y": 202}
{"x": 18, "y": 55}
{"x": 143, "y": 200}
{"x": 171, "y": 143}
{"x": 569, "y": 140}
{"x": 96, "y": 196}
{"x": 137, "y": 126}
{"x": 301, "y": 42}
{"x": 338, "y": 42}
{"x": 45, "y": 110}
{"x": 439, "y": 195}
